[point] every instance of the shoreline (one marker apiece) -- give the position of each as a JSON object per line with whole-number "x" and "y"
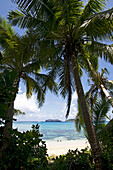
{"x": 60, "y": 147}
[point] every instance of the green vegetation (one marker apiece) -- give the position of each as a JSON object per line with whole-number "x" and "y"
{"x": 106, "y": 143}
{"x": 74, "y": 160}
{"x": 98, "y": 115}
{"x": 25, "y": 151}
{"x": 69, "y": 40}
{"x": 63, "y": 38}
{"x": 18, "y": 58}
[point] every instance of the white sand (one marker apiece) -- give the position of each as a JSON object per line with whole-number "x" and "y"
{"x": 62, "y": 147}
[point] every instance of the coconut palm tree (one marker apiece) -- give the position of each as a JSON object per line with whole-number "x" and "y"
{"x": 18, "y": 57}
{"x": 98, "y": 114}
{"x": 69, "y": 31}
{"x": 100, "y": 85}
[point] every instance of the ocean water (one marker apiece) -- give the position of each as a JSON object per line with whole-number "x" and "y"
{"x": 52, "y": 130}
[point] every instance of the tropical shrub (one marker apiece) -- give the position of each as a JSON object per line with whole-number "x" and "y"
{"x": 74, "y": 159}
{"x": 26, "y": 151}
{"x": 106, "y": 142}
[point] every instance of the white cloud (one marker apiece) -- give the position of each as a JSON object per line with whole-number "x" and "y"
{"x": 29, "y": 106}
{"x": 53, "y": 108}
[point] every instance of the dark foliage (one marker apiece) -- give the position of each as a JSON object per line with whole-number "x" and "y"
{"x": 26, "y": 151}
{"x": 74, "y": 160}
{"x": 7, "y": 90}
{"x": 106, "y": 143}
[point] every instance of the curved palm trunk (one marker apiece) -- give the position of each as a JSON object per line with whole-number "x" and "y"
{"x": 86, "y": 116}
{"x": 108, "y": 96}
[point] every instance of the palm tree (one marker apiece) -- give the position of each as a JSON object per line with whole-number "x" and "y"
{"x": 68, "y": 32}
{"x": 100, "y": 85}
{"x": 18, "y": 57}
{"x": 98, "y": 114}
{"x": 98, "y": 91}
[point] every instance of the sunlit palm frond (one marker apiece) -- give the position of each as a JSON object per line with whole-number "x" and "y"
{"x": 92, "y": 7}
{"x": 98, "y": 114}
{"x": 101, "y": 20}
{"x": 24, "y": 20}
{"x": 68, "y": 12}
{"x": 6, "y": 34}
{"x": 100, "y": 111}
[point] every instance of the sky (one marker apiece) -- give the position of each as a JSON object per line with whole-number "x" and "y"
{"x": 54, "y": 106}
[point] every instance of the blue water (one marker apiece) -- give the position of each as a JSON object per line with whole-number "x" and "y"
{"x": 52, "y": 130}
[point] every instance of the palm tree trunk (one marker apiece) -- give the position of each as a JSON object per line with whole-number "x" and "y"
{"x": 108, "y": 96}
{"x": 9, "y": 119}
{"x": 8, "y": 126}
{"x": 86, "y": 116}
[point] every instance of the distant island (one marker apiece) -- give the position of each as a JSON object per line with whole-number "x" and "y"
{"x": 69, "y": 120}
{"x": 52, "y": 120}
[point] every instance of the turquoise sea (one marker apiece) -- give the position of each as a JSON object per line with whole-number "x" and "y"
{"x": 52, "y": 130}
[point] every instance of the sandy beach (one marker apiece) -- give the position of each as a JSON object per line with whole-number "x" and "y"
{"x": 60, "y": 147}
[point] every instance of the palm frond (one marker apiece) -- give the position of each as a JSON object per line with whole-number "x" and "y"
{"x": 34, "y": 86}
{"x": 100, "y": 110}
{"x": 79, "y": 122}
{"x": 68, "y": 11}
{"x": 6, "y": 34}
{"x": 33, "y": 5}
{"x": 92, "y": 7}
{"x": 99, "y": 25}
{"x": 33, "y": 13}
{"x": 23, "y": 19}
{"x": 103, "y": 50}
{"x": 18, "y": 112}
{"x": 47, "y": 81}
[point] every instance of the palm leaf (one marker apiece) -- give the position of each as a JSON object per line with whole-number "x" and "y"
{"x": 92, "y": 7}
{"x": 102, "y": 22}
{"x": 34, "y": 86}
{"x": 47, "y": 81}
{"x": 33, "y": 5}
{"x": 100, "y": 110}
{"x": 79, "y": 122}
{"x": 33, "y": 14}
{"x": 6, "y": 34}
{"x": 23, "y": 19}
{"x": 18, "y": 112}
{"x": 103, "y": 50}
